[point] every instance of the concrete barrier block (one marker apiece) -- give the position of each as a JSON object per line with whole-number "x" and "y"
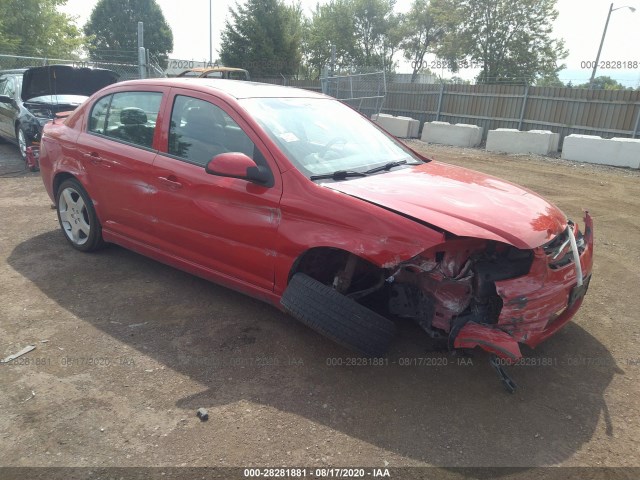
{"x": 414, "y": 128}
{"x": 617, "y": 152}
{"x": 401, "y": 127}
{"x": 586, "y": 148}
{"x": 554, "y": 139}
{"x": 509, "y": 140}
{"x": 629, "y": 154}
{"x": 460, "y": 135}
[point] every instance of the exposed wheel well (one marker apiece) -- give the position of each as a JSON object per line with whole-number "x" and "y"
{"x": 320, "y": 263}
{"x": 59, "y": 178}
{"x": 325, "y": 264}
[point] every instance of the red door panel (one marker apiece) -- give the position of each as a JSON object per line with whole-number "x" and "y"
{"x": 117, "y": 151}
{"x": 225, "y": 224}
{"x": 123, "y": 176}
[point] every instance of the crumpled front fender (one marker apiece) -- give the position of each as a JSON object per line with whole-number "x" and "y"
{"x": 535, "y": 307}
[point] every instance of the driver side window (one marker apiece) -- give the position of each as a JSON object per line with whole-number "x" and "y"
{"x": 200, "y": 130}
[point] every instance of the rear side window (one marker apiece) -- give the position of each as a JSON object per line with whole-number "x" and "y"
{"x": 98, "y": 118}
{"x": 127, "y": 116}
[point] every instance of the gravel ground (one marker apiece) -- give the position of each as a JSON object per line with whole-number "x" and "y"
{"x": 128, "y": 349}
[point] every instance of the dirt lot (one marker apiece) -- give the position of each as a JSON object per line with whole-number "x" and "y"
{"x": 128, "y": 349}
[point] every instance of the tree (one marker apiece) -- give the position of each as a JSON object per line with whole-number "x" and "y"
{"x": 392, "y": 39}
{"x": 36, "y": 28}
{"x": 8, "y": 42}
{"x": 604, "y": 83}
{"x": 365, "y": 33}
{"x": 422, "y": 32}
{"x": 455, "y": 81}
{"x": 373, "y": 20}
{"x": 113, "y": 31}
{"x": 264, "y": 37}
{"x": 510, "y": 41}
{"x": 332, "y": 23}
{"x": 551, "y": 81}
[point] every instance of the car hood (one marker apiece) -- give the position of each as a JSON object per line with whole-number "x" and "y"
{"x": 462, "y": 202}
{"x": 64, "y": 80}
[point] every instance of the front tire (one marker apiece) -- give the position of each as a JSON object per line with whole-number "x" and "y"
{"x": 77, "y": 217}
{"x": 337, "y": 317}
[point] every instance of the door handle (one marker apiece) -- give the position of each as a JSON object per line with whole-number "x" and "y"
{"x": 171, "y": 182}
{"x": 93, "y": 158}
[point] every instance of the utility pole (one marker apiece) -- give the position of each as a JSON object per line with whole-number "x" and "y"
{"x": 210, "y": 35}
{"x": 333, "y": 60}
{"x": 604, "y": 34}
{"x": 142, "y": 55}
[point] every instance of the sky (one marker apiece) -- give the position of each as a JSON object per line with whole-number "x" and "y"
{"x": 580, "y": 23}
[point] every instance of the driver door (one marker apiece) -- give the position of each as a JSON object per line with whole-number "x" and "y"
{"x": 224, "y": 225}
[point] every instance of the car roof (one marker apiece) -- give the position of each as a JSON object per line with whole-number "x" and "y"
{"x": 215, "y": 69}
{"x": 224, "y": 69}
{"x": 235, "y": 88}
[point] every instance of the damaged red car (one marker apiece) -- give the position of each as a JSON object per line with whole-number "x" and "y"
{"x": 296, "y": 199}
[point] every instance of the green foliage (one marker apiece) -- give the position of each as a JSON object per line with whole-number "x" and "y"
{"x": 264, "y": 37}
{"x": 455, "y": 81}
{"x": 375, "y": 28}
{"x": 392, "y": 37}
{"x": 113, "y": 31}
{"x": 511, "y": 41}
{"x": 36, "y": 28}
{"x": 332, "y": 23}
{"x": 421, "y": 33}
{"x": 551, "y": 81}
{"x": 604, "y": 82}
{"x": 366, "y": 33}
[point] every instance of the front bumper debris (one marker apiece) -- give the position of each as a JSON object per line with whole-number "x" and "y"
{"x": 536, "y": 305}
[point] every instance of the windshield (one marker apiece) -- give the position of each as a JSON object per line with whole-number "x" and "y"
{"x": 321, "y": 136}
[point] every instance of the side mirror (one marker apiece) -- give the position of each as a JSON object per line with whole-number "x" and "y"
{"x": 237, "y": 165}
{"x": 6, "y": 99}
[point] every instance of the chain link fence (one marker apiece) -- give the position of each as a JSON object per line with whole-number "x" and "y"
{"x": 365, "y": 92}
{"x": 127, "y": 71}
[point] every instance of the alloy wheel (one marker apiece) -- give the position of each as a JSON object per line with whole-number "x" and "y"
{"x": 74, "y": 216}
{"x": 22, "y": 143}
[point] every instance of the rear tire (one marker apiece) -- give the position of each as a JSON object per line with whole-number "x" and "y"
{"x": 337, "y": 317}
{"x": 77, "y": 217}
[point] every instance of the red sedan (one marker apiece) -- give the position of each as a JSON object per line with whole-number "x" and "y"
{"x": 294, "y": 198}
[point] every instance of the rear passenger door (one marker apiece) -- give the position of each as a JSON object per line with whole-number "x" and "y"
{"x": 117, "y": 150}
